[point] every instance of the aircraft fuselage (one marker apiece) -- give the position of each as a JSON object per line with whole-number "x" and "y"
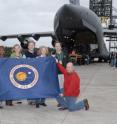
{"x": 77, "y": 26}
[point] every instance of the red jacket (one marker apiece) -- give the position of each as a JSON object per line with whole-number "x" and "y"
{"x": 71, "y": 82}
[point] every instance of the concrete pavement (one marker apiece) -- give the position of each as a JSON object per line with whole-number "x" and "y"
{"x": 98, "y": 84}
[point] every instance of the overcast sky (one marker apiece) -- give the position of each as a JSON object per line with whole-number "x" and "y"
{"x": 26, "y": 16}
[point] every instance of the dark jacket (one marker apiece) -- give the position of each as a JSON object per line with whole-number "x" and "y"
{"x": 63, "y": 56}
{"x": 30, "y": 55}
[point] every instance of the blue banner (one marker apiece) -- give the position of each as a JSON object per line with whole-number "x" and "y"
{"x": 28, "y": 78}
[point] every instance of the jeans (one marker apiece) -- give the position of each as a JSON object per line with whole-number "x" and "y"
{"x": 87, "y": 62}
{"x": 70, "y": 103}
{"x": 112, "y": 62}
{"x": 61, "y": 91}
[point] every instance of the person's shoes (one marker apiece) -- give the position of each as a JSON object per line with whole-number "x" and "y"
{"x": 62, "y": 109}
{"x": 86, "y": 104}
{"x": 1, "y": 107}
{"x": 59, "y": 105}
{"x": 43, "y": 104}
{"x": 31, "y": 103}
{"x": 19, "y": 102}
{"x": 11, "y": 104}
{"x": 37, "y": 105}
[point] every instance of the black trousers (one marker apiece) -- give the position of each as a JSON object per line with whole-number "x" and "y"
{"x": 8, "y": 102}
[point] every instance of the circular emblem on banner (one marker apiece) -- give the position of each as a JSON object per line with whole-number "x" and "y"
{"x": 24, "y": 76}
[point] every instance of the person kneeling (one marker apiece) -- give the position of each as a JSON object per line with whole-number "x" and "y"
{"x": 68, "y": 100}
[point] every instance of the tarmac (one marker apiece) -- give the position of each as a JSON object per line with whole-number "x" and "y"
{"x": 98, "y": 85}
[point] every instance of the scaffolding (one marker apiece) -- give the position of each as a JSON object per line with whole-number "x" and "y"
{"x": 104, "y": 10}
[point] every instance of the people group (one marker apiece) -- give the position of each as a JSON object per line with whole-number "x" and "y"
{"x": 79, "y": 59}
{"x": 70, "y": 89}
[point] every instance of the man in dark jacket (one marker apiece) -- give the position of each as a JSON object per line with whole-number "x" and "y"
{"x": 60, "y": 54}
{"x": 62, "y": 57}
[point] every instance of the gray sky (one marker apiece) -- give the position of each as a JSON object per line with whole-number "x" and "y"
{"x": 26, "y": 16}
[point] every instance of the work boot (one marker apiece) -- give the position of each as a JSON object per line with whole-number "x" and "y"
{"x": 19, "y": 102}
{"x": 62, "y": 108}
{"x": 43, "y": 104}
{"x": 59, "y": 105}
{"x": 86, "y": 104}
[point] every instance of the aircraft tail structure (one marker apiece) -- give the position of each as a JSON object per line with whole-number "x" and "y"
{"x": 75, "y": 2}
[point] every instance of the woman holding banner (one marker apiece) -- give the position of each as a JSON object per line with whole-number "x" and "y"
{"x": 16, "y": 53}
{"x": 42, "y": 52}
{"x": 2, "y": 53}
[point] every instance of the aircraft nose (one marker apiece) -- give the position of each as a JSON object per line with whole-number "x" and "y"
{"x": 66, "y": 10}
{"x": 69, "y": 18}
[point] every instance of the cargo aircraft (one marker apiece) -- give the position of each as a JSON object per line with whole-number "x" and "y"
{"x": 76, "y": 27}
